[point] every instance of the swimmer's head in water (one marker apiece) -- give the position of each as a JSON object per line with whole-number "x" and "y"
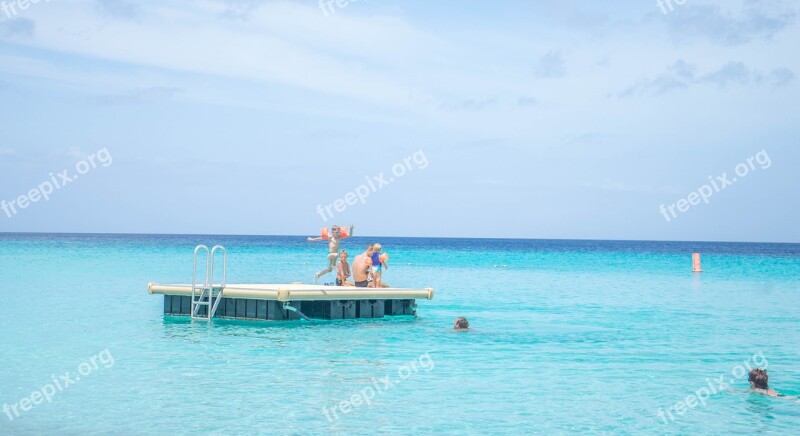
{"x": 759, "y": 379}
{"x": 461, "y": 323}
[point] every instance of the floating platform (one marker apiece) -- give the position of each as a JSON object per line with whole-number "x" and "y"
{"x": 280, "y": 302}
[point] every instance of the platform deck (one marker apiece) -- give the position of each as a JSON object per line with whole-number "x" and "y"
{"x": 268, "y": 301}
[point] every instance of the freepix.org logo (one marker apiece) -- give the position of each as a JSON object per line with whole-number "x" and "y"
{"x": 373, "y": 184}
{"x": 716, "y": 185}
{"x": 13, "y": 8}
{"x": 59, "y": 384}
{"x": 700, "y": 397}
{"x": 57, "y": 181}
{"x": 667, "y": 6}
{"x": 378, "y": 386}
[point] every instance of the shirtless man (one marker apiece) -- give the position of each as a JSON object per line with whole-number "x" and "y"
{"x": 333, "y": 249}
{"x": 361, "y": 267}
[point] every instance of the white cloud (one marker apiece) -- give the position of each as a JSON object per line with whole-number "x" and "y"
{"x": 289, "y": 56}
{"x": 682, "y": 75}
{"x": 279, "y": 42}
{"x": 550, "y": 65}
{"x": 617, "y": 186}
{"x": 728, "y": 24}
{"x": 148, "y": 95}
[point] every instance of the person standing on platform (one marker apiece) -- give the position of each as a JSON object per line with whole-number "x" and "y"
{"x": 378, "y": 265}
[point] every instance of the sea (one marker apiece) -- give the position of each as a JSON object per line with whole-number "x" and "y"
{"x": 566, "y": 336}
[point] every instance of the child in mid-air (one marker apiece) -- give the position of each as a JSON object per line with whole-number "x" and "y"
{"x": 335, "y": 238}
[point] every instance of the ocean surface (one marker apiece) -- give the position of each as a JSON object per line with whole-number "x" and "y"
{"x": 567, "y": 337}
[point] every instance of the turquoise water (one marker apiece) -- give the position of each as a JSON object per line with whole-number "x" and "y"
{"x": 568, "y": 336}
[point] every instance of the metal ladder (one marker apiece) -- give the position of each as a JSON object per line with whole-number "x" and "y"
{"x": 208, "y": 294}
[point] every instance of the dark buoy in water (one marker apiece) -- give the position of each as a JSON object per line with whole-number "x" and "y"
{"x": 696, "y": 263}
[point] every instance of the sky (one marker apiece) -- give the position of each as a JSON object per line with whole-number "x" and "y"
{"x": 514, "y": 119}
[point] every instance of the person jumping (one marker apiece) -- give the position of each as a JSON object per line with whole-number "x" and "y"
{"x": 334, "y": 238}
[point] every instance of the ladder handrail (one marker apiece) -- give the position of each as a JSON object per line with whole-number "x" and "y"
{"x": 224, "y": 264}
{"x": 208, "y": 284}
{"x": 194, "y": 275}
{"x": 213, "y": 309}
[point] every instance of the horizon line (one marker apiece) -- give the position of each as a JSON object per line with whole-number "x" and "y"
{"x": 388, "y": 236}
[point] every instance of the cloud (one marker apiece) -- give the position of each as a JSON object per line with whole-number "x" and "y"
{"x": 281, "y": 42}
{"x": 681, "y": 75}
{"x": 732, "y": 72}
{"x": 675, "y": 77}
{"x": 592, "y": 138}
{"x": 330, "y": 134}
{"x": 239, "y": 9}
{"x": 469, "y": 105}
{"x": 149, "y": 95}
{"x": 739, "y": 74}
{"x": 481, "y": 144}
{"x": 17, "y": 27}
{"x": 475, "y": 104}
{"x": 551, "y": 65}
{"x": 123, "y": 9}
{"x": 76, "y": 153}
{"x": 757, "y": 20}
{"x": 616, "y": 186}
{"x": 781, "y": 76}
